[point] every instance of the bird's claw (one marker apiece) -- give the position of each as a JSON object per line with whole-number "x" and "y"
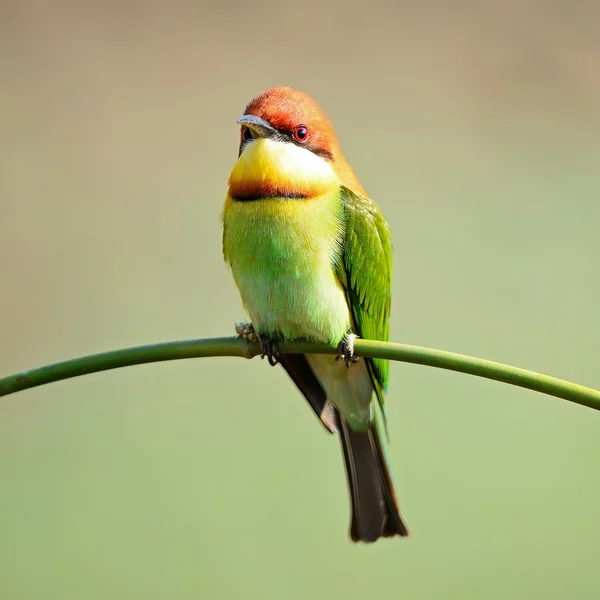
{"x": 246, "y": 331}
{"x": 346, "y": 349}
{"x": 268, "y": 346}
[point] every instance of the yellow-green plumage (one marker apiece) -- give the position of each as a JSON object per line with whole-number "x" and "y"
{"x": 282, "y": 256}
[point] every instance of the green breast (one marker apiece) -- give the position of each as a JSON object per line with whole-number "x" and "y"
{"x": 282, "y": 254}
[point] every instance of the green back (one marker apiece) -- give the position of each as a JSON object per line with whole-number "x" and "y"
{"x": 366, "y": 274}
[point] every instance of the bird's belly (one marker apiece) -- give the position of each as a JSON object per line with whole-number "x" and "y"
{"x": 282, "y": 254}
{"x": 299, "y": 300}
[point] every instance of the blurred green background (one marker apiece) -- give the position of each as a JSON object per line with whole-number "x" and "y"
{"x": 475, "y": 128}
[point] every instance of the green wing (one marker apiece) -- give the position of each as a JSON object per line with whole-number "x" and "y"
{"x": 366, "y": 274}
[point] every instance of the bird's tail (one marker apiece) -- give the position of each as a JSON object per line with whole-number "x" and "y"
{"x": 375, "y": 511}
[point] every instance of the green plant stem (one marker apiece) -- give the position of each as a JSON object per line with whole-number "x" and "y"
{"x": 233, "y": 346}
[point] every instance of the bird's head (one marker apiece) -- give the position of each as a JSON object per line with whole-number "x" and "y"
{"x": 288, "y": 148}
{"x": 289, "y": 116}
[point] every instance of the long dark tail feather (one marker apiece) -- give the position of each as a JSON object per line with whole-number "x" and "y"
{"x": 302, "y": 375}
{"x": 375, "y": 511}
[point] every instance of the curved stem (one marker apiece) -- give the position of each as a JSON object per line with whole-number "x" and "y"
{"x": 233, "y": 346}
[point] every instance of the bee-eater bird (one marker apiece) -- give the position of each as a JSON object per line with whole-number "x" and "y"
{"x": 311, "y": 256}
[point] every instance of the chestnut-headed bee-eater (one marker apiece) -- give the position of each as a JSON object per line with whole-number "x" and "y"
{"x": 311, "y": 256}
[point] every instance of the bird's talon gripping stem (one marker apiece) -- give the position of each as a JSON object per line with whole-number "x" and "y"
{"x": 268, "y": 348}
{"x": 346, "y": 349}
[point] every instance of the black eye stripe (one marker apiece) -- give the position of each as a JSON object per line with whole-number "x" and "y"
{"x": 319, "y": 152}
{"x": 283, "y": 135}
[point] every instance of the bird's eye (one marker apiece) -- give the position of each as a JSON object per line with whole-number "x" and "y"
{"x": 247, "y": 134}
{"x": 301, "y": 134}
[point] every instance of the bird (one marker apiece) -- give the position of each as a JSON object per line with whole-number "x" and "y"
{"x": 311, "y": 256}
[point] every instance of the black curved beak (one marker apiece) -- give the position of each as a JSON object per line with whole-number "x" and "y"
{"x": 259, "y": 127}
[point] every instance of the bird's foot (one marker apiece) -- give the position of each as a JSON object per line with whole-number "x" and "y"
{"x": 246, "y": 330}
{"x": 346, "y": 349}
{"x": 268, "y": 346}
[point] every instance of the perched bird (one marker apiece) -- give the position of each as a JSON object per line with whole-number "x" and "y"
{"x": 311, "y": 256}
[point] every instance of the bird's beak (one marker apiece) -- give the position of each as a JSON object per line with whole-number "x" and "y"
{"x": 258, "y": 126}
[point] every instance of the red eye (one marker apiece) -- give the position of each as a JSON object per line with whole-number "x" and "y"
{"x": 301, "y": 134}
{"x": 246, "y": 134}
